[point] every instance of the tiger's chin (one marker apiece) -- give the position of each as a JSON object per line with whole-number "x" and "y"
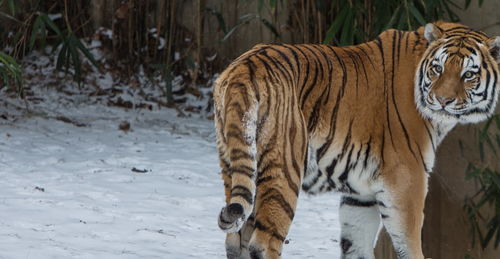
{"x": 448, "y": 116}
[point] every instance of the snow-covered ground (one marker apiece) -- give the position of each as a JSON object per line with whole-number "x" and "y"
{"x": 69, "y": 191}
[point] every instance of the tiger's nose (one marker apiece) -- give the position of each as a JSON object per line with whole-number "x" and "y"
{"x": 445, "y": 100}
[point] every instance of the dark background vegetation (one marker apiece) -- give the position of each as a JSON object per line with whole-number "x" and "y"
{"x": 189, "y": 38}
{"x": 195, "y": 39}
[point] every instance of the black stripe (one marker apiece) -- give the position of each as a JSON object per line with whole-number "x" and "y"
{"x": 267, "y": 150}
{"x": 237, "y": 171}
{"x": 418, "y": 39}
{"x": 381, "y": 204}
{"x": 382, "y": 147}
{"x": 295, "y": 163}
{"x": 364, "y": 69}
{"x": 273, "y": 194}
{"x": 355, "y": 65}
{"x": 236, "y": 106}
{"x": 422, "y": 158}
{"x": 264, "y": 118}
{"x": 269, "y": 70}
{"x": 430, "y": 136}
{"x": 298, "y": 64}
{"x": 243, "y": 192}
{"x": 367, "y": 152}
{"x": 308, "y": 91}
{"x": 330, "y": 169}
{"x": 307, "y": 187}
{"x": 264, "y": 179}
{"x": 350, "y": 201}
{"x": 280, "y": 67}
{"x": 326, "y": 58}
{"x": 347, "y": 139}
{"x": 313, "y": 118}
{"x": 306, "y": 73}
{"x": 378, "y": 42}
{"x": 387, "y": 110}
{"x": 285, "y": 57}
{"x": 237, "y": 154}
{"x": 242, "y": 169}
{"x": 407, "y": 35}
{"x": 357, "y": 156}
{"x": 368, "y": 57}
{"x": 344, "y": 70}
{"x": 258, "y": 225}
{"x": 269, "y": 166}
{"x": 251, "y": 69}
{"x": 291, "y": 183}
{"x": 397, "y": 41}
{"x": 320, "y": 152}
{"x": 347, "y": 169}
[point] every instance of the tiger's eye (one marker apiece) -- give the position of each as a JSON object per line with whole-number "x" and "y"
{"x": 438, "y": 68}
{"x": 468, "y": 75}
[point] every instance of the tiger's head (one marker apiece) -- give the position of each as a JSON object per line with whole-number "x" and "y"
{"x": 457, "y": 79}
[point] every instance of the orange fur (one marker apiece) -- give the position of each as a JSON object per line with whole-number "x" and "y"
{"x": 328, "y": 118}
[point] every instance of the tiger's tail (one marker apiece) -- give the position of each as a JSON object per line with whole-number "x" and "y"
{"x": 238, "y": 122}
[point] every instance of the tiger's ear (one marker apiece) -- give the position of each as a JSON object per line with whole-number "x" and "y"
{"x": 432, "y": 32}
{"x": 494, "y": 47}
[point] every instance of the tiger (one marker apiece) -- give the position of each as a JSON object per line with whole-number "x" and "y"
{"x": 363, "y": 120}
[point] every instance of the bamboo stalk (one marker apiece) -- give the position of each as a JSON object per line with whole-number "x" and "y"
{"x": 199, "y": 38}
{"x": 276, "y": 21}
{"x": 305, "y": 32}
{"x": 159, "y": 22}
{"x": 313, "y": 15}
{"x": 320, "y": 27}
{"x": 170, "y": 33}
{"x": 384, "y": 247}
{"x": 130, "y": 37}
{"x": 169, "y": 36}
{"x": 66, "y": 17}
{"x": 296, "y": 16}
{"x": 368, "y": 20}
{"x": 115, "y": 34}
{"x": 145, "y": 33}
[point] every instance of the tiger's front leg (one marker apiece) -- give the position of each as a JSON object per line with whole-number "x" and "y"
{"x": 360, "y": 222}
{"x": 401, "y": 206}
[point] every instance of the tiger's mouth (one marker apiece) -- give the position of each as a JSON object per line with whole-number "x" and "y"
{"x": 463, "y": 112}
{"x": 450, "y": 110}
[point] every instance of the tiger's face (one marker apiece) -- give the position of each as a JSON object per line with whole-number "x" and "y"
{"x": 457, "y": 79}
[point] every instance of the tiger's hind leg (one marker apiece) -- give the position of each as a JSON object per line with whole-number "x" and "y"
{"x": 237, "y": 152}
{"x": 274, "y": 213}
{"x": 275, "y": 209}
{"x": 360, "y": 222}
{"x": 278, "y": 184}
{"x": 237, "y": 243}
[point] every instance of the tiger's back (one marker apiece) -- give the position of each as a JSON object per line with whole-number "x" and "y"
{"x": 323, "y": 118}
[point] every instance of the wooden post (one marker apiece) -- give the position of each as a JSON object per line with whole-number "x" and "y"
{"x": 384, "y": 249}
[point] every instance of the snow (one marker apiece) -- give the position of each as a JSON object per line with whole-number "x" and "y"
{"x": 55, "y": 16}
{"x": 70, "y": 181}
{"x": 69, "y": 192}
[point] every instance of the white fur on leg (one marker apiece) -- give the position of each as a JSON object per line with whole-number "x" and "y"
{"x": 360, "y": 221}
